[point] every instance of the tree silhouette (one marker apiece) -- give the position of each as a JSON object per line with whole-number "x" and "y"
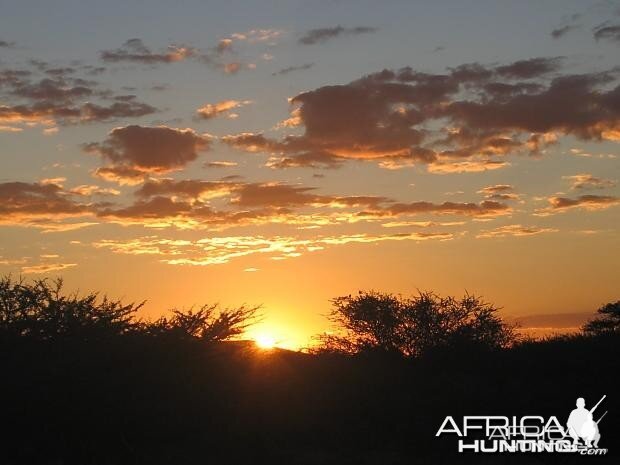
{"x": 413, "y": 326}
{"x": 40, "y": 310}
{"x": 606, "y": 322}
{"x": 207, "y": 324}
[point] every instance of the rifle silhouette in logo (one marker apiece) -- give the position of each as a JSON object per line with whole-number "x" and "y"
{"x": 581, "y": 424}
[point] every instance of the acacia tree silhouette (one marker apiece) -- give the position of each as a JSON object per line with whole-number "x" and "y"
{"x": 606, "y": 322}
{"x": 413, "y": 326}
{"x": 40, "y": 310}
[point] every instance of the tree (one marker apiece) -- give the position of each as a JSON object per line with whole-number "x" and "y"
{"x": 40, "y": 310}
{"x": 606, "y": 322}
{"x": 207, "y": 324}
{"x": 413, "y": 326}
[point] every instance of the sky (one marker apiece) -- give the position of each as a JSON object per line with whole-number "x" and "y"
{"x": 284, "y": 153}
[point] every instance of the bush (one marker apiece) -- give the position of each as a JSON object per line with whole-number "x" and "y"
{"x": 413, "y": 326}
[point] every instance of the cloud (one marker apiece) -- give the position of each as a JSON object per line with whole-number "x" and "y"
{"x": 61, "y": 97}
{"x": 258, "y": 35}
{"x": 191, "y": 188}
{"x": 586, "y": 181}
{"x": 563, "y": 30}
{"x": 586, "y": 202}
{"x": 291, "y": 69}
{"x": 462, "y": 121}
{"x": 486, "y": 208}
{"x": 474, "y": 166}
{"x": 41, "y": 205}
{"x": 499, "y": 192}
{"x": 6, "y": 44}
{"x": 211, "y": 110}
{"x": 220, "y": 164}
{"x": 220, "y": 250}
{"x": 527, "y": 69}
{"x": 134, "y": 149}
{"x": 122, "y": 174}
{"x": 284, "y": 195}
{"x": 606, "y": 31}
{"x": 46, "y": 268}
{"x": 88, "y": 190}
{"x": 134, "y": 51}
{"x": 514, "y": 230}
{"x": 314, "y": 36}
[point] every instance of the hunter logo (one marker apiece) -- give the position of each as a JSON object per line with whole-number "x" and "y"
{"x": 531, "y": 433}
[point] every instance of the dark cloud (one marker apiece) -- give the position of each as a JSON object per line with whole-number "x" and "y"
{"x": 607, "y": 31}
{"x": 6, "y": 44}
{"x": 484, "y": 208}
{"x": 150, "y": 149}
{"x": 61, "y": 97}
{"x": 314, "y": 36}
{"x": 134, "y": 51}
{"x": 464, "y": 120}
{"x": 290, "y": 69}
{"x": 25, "y": 203}
{"x": 588, "y": 202}
{"x": 131, "y": 109}
{"x": 191, "y": 188}
{"x": 563, "y": 30}
{"x": 252, "y": 194}
{"x": 527, "y": 69}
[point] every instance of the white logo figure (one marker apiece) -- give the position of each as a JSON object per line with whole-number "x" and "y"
{"x": 582, "y": 426}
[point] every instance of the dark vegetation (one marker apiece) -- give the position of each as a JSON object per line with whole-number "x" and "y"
{"x": 84, "y": 381}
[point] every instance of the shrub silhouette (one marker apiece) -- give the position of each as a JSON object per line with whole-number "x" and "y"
{"x": 41, "y": 311}
{"x": 205, "y": 324}
{"x": 413, "y": 326}
{"x": 606, "y": 322}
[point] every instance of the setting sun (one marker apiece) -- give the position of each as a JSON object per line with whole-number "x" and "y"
{"x": 265, "y": 341}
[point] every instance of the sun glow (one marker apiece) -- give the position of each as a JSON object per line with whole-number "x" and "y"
{"x": 265, "y": 341}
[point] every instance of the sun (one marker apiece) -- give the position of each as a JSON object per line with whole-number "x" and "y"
{"x": 265, "y": 341}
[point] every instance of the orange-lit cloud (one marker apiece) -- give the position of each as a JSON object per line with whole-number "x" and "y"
{"x": 219, "y": 250}
{"x": 211, "y": 110}
{"x": 514, "y": 230}
{"x": 137, "y": 149}
{"x": 585, "y": 202}
{"x": 46, "y": 268}
{"x": 587, "y": 181}
{"x": 482, "y": 113}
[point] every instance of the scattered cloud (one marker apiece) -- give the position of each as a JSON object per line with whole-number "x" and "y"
{"x": 467, "y": 120}
{"x": 134, "y": 51}
{"x": 28, "y": 203}
{"x": 211, "y": 110}
{"x": 61, "y": 97}
{"x": 315, "y": 36}
{"x": 607, "y": 31}
{"x": 586, "y": 202}
{"x": 514, "y": 230}
{"x": 136, "y": 151}
{"x": 291, "y": 69}
{"x": 219, "y": 250}
{"x": 563, "y": 30}
{"x": 587, "y": 181}
{"x": 46, "y": 268}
